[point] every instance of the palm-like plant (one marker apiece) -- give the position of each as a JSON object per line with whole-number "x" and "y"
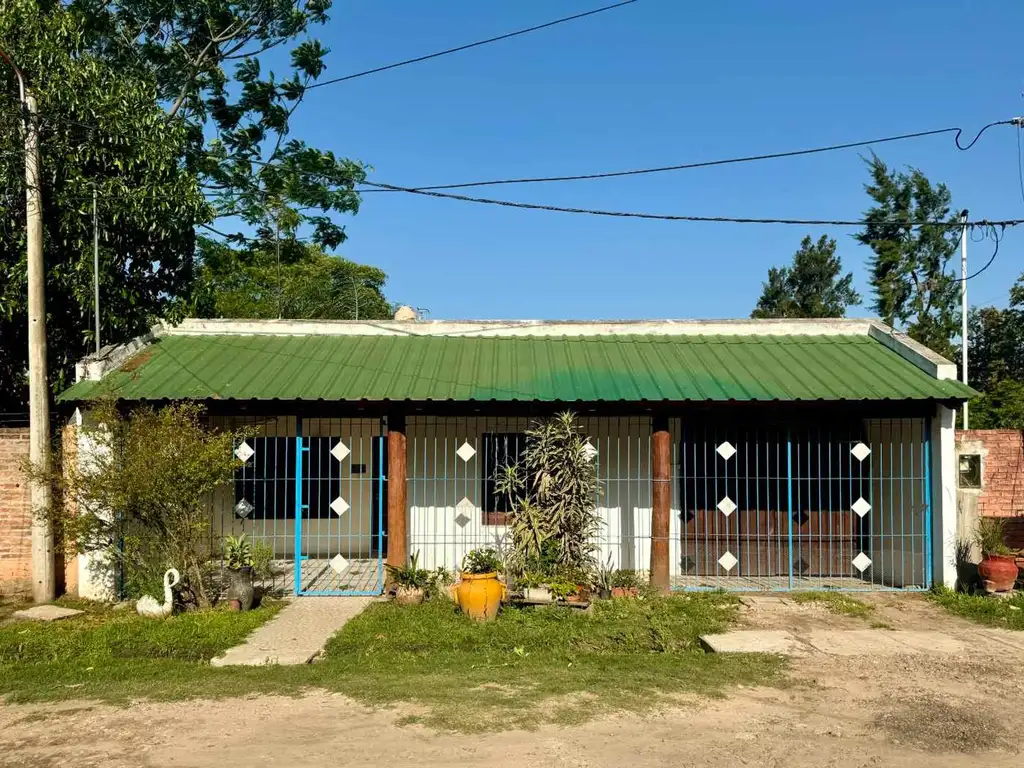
{"x": 553, "y": 490}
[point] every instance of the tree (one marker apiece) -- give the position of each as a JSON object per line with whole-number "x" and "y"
{"x": 310, "y": 285}
{"x": 811, "y": 287}
{"x": 101, "y": 129}
{"x": 164, "y": 108}
{"x": 997, "y": 363}
{"x": 912, "y": 287}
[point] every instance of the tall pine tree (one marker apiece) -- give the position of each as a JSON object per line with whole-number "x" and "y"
{"x": 913, "y": 288}
{"x": 811, "y": 287}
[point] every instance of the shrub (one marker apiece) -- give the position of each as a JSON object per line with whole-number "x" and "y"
{"x": 553, "y": 491}
{"x": 237, "y": 553}
{"x": 991, "y": 536}
{"x": 410, "y": 575}
{"x": 140, "y": 499}
{"x": 482, "y": 561}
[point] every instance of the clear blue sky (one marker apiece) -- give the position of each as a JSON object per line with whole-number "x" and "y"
{"x": 654, "y": 83}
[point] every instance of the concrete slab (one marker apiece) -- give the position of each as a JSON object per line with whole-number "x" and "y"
{"x": 47, "y": 613}
{"x": 752, "y": 641}
{"x": 877, "y": 642}
{"x": 297, "y": 634}
{"x": 762, "y": 602}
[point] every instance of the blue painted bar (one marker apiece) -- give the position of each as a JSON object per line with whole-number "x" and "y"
{"x": 928, "y": 503}
{"x": 298, "y": 505}
{"x": 789, "y": 494}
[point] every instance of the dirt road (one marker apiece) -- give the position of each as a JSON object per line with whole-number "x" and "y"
{"x": 902, "y": 710}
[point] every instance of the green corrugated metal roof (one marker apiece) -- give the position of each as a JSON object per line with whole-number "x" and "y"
{"x": 541, "y": 368}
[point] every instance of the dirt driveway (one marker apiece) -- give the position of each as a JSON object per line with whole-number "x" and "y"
{"x": 853, "y": 711}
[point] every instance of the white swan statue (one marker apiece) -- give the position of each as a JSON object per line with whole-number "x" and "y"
{"x": 148, "y": 606}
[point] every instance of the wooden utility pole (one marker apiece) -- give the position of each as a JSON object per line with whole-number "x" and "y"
{"x": 398, "y": 552}
{"x": 44, "y": 583}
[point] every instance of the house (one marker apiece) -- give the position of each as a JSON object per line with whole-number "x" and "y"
{"x": 765, "y": 455}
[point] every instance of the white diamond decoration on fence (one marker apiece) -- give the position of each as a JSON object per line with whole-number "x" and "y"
{"x": 464, "y": 508}
{"x": 243, "y": 508}
{"x": 244, "y": 452}
{"x": 861, "y": 507}
{"x": 860, "y": 451}
{"x": 726, "y": 450}
{"x": 727, "y": 506}
{"x": 466, "y": 451}
{"x": 339, "y": 564}
{"x": 861, "y": 561}
{"x": 340, "y": 506}
{"x": 340, "y": 451}
{"x": 590, "y": 451}
{"x": 728, "y": 561}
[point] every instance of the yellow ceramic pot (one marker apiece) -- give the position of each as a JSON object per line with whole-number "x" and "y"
{"x": 479, "y": 595}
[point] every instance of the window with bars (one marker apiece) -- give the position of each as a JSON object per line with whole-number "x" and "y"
{"x": 500, "y": 449}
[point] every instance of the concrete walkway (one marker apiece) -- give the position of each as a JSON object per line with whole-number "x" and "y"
{"x": 855, "y": 642}
{"x": 296, "y": 634}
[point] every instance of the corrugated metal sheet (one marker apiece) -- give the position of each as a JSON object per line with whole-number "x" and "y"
{"x": 548, "y": 368}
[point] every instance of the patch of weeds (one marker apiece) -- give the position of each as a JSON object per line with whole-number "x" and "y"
{"x": 838, "y": 603}
{"x": 993, "y": 611}
{"x": 880, "y": 625}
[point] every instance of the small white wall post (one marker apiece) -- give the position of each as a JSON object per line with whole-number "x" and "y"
{"x": 944, "y": 514}
{"x": 95, "y": 581}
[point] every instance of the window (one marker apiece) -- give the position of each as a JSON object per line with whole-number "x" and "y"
{"x": 500, "y": 450}
{"x": 970, "y": 470}
{"x": 265, "y": 483}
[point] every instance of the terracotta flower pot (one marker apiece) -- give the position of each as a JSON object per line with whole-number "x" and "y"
{"x": 625, "y": 591}
{"x": 409, "y": 595}
{"x": 241, "y": 587}
{"x": 479, "y": 595}
{"x": 998, "y": 572}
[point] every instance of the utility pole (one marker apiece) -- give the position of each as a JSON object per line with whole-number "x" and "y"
{"x": 43, "y": 572}
{"x": 96, "y": 266}
{"x": 963, "y": 305}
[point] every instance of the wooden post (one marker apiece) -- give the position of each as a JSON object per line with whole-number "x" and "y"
{"x": 661, "y": 501}
{"x": 397, "y": 545}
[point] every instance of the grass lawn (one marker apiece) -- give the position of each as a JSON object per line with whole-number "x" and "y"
{"x": 838, "y": 603}
{"x": 993, "y": 611}
{"x": 530, "y": 666}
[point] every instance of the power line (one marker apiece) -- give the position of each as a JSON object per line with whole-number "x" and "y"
{"x": 478, "y": 43}
{"x": 996, "y": 236}
{"x": 677, "y": 217}
{"x": 727, "y": 161}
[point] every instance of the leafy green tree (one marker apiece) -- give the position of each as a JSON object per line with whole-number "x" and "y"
{"x": 912, "y": 285}
{"x": 811, "y": 287}
{"x": 997, "y": 363}
{"x": 168, "y": 111}
{"x": 101, "y": 128}
{"x": 308, "y": 285}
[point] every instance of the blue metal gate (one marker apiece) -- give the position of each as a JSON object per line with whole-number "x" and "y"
{"x": 340, "y": 522}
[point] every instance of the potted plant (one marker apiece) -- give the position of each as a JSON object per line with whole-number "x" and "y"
{"x": 238, "y": 561}
{"x": 624, "y": 583}
{"x": 998, "y": 567}
{"x": 535, "y": 588}
{"x": 410, "y": 581}
{"x": 479, "y": 592}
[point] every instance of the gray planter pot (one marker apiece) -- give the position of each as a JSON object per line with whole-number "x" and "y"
{"x": 240, "y": 586}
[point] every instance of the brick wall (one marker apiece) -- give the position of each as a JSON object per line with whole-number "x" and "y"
{"x": 1002, "y": 466}
{"x": 15, "y": 513}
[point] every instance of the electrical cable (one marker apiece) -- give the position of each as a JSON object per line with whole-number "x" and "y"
{"x": 478, "y": 43}
{"x": 996, "y": 236}
{"x": 675, "y": 217}
{"x": 1020, "y": 165}
{"x": 727, "y": 161}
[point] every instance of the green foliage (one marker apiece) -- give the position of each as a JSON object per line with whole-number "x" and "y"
{"x": 990, "y": 536}
{"x": 410, "y": 575}
{"x": 811, "y": 287}
{"x": 554, "y": 491}
{"x": 142, "y": 500}
{"x": 994, "y": 612}
{"x": 997, "y": 363}
{"x": 101, "y": 128}
{"x": 514, "y": 672}
{"x": 838, "y": 603}
{"x": 624, "y": 579}
{"x": 912, "y": 285}
{"x": 482, "y": 560}
{"x": 312, "y": 285}
{"x": 262, "y": 560}
{"x": 237, "y": 552}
